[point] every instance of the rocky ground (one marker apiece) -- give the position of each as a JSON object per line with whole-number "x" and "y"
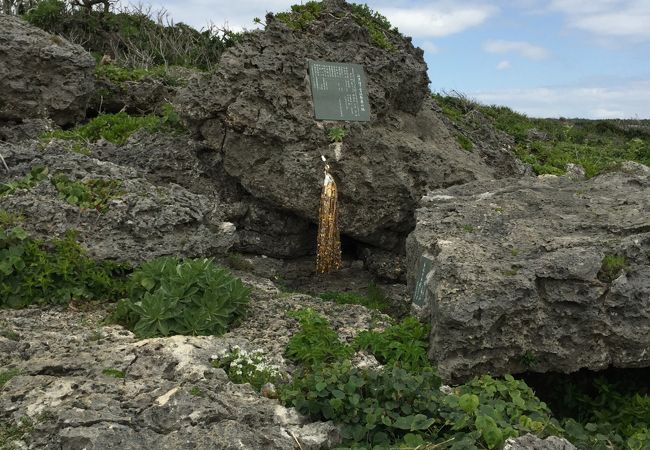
{"x": 86, "y": 384}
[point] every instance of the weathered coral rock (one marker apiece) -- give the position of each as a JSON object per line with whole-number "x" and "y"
{"x": 42, "y": 75}
{"x": 144, "y": 221}
{"x": 514, "y": 274}
{"x": 256, "y": 110}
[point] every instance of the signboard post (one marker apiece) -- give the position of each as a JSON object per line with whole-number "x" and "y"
{"x": 339, "y": 91}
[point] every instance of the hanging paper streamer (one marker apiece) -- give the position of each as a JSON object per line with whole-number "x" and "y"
{"x": 328, "y": 258}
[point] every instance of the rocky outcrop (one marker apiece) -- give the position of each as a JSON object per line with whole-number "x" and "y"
{"x": 537, "y": 274}
{"x": 256, "y": 111}
{"x": 164, "y": 159}
{"x": 42, "y": 75}
{"x": 144, "y": 221}
{"x": 84, "y": 384}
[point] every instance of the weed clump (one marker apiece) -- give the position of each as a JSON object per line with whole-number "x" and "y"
{"x": 52, "y": 272}
{"x": 117, "y": 128}
{"x": 611, "y": 267}
{"x": 375, "y": 298}
{"x": 91, "y": 194}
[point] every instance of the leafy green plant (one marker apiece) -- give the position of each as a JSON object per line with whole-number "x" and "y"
{"x": 174, "y": 296}
{"x": 315, "y": 343}
{"x": 113, "y": 373}
{"x": 336, "y": 134}
{"x": 35, "y": 176}
{"x": 92, "y": 193}
{"x": 117, "y": 128}
{"x": 611, "y": 267}
{"x": 53, "y": 272}
{"x": 248, "y": 367}
{"x": 374, "y": 407}
{"x": 404, "y": 344}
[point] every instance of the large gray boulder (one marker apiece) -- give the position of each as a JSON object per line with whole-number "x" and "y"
{"x": 42, "y": 75}
{"x": 520, "y": 275}
{"x": 256, "y": 111}
{"x": 143, "y": 221}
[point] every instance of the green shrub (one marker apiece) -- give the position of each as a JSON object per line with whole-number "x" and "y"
{"x": 54, "y": 272}
{"x": 174, "y": 296}
{"x": 377, "y": 25}
{"x": 248, "y": 367}
{"x": 404, "y": 345}
{"x": 47, "y": 13}
{"x": 93, "y": 193}
{"x": 315, "y": 343}
{"x": 134, "y": 36}
{"x": 117, "y": 128}
{"x": 301, "y": 16}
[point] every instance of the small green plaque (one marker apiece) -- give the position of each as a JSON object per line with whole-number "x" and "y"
{"x": 339, "y": 91}
{"x": 420, "y": 291}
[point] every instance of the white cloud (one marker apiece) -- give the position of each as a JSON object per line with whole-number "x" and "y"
{"x": 525, "y": 49}
{"x": 624, "y": 101}
{"x": 504, "y": 65}
{"x": 628, "y": 19}
{"x": 438, "y": 19}
{"x": 429, "y": 47}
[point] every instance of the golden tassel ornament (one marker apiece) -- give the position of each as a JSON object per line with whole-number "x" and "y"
{"x": 328, "y": 258}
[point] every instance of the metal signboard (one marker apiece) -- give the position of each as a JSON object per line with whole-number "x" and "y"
{"x": 339, "y": 91}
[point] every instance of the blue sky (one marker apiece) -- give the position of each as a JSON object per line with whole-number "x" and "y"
{"x": 545, "y": 58}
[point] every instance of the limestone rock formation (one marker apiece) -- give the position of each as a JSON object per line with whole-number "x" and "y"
{"x": 42, "y": 75}
{"x": 541, "y": 274}
{"x": 256, "y": 111}
{"x": 144, "y": 221}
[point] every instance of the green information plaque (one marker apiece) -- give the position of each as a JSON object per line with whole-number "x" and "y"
{"x": 339, "y": 91}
